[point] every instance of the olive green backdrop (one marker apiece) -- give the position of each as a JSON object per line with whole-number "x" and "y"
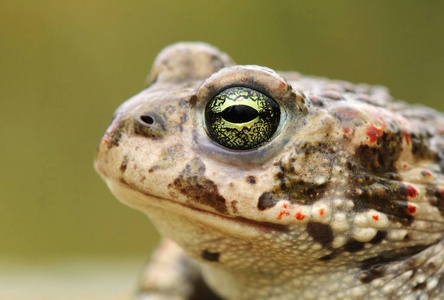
{"x": 66, "y": 65}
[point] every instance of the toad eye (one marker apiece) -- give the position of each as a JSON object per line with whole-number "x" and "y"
{"x": 241, "y": 118}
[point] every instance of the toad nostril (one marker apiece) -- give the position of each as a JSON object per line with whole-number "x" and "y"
{"x": 149, "y": 124}
{"x": 147, "y": 119}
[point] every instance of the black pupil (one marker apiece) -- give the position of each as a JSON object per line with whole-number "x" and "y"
{"x": 239, "y": 114}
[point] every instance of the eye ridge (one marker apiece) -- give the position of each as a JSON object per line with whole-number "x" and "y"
{"x": 241, "y": 118}
{"x": 239, "y": 113}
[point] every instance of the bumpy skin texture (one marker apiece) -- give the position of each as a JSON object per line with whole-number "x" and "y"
{"x": 345, "y": 201}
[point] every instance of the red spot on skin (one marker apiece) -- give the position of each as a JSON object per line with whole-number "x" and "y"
{"x": 282, "y": 84}
{"x": 282, "y": 213}
{"x": 411, "y": 191}
{"x": 426, "y": 173}
{"x": 285, "y": 205}
{"x": 375, "y": 217}
{"x": 299, "y": 216}
{"x": 404, "y": 165}
{"x": 109, "y": 132}
{"x": 411, "y": 209}
{"x": 321, "y": 212}
{"x": 106, "y": 139}
{"x": 346, "y": 130}
{"x": 407, "y": 138}
{"x": 373, "y": 133}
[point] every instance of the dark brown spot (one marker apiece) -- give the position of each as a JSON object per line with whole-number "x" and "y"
{"x": 124, "y": 164}
{"x": 420, "y": 286}
{"x": 354, "y": 246}
{"x": 321, "y": 233}
{"x": 421, "y": 147}
{"x": 193, "y": 100}
{"x": 381, "y": 158}
{"x": 210, "y": 256}
{"x": 379, "y": 237}
{"x": 116, "y": 135}
{"x": 403, "y": 190}
{"x": 266, "y": 201}
{"x": 251, "y": 179}
{"x": 197, "y": 188}
{"x": 328, "y": 256}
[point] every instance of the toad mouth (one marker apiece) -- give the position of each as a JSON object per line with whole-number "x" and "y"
{"x": 145, "y": 201}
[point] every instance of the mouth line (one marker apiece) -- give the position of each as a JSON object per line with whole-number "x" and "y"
{"x": 241, "y": 220}
{"x": 263, "y": 226}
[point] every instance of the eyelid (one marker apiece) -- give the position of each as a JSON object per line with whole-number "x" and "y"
{"x": 261, "y": 79}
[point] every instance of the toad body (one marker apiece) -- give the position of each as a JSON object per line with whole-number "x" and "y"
{"x": 274, "y": 185}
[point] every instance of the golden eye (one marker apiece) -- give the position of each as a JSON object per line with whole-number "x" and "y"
{"x": 241, "y": 118}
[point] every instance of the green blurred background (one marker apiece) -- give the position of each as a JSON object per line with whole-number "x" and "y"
{"x": 66, "y": 65}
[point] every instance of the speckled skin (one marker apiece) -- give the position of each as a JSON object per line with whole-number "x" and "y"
{"x": 345, "y": 201}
